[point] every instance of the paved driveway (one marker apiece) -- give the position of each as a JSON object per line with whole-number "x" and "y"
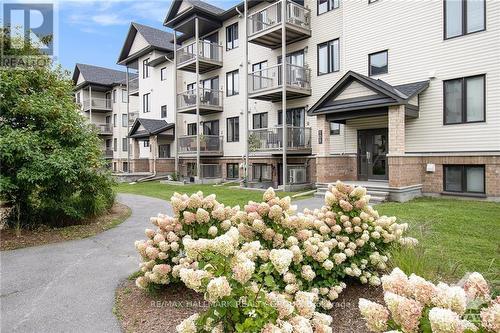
{"x": 69, "y": 287}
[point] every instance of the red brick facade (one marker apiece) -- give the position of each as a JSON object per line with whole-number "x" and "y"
{"x": 333, "y": 168}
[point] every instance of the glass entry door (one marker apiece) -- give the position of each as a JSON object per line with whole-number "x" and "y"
{"x": 372, "y": 154}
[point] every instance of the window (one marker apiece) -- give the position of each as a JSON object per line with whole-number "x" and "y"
{"x": 464, "y": 178}
{"x": 329, "y": 57}
{"x": 124, "y": 120}
{"x": 334, "y": 128}
{"x": 125, "y": 166}
{"x": 146, "y": 103}
{"x": 145, "y": 68}
{"x": 115, "y": 144}
{"x": 211, "y": 127}
{"x": 163, "y": 73}
{"x": 233, "y": 129}
{"x": 464, "y": 100}
{"x": 190, "y": 87}
{"x": 114, "y": 120}
{"x": 146, "y": 143}
{"x": 78, "y": 96}
{"x": 378, "y": 63}
{"x": 260, "y": 120}
{"x": 114, "y": 96}
{"x": 164, "y": 151}
{"x": 191, "y": 129}
{"x": 124, "y": 96}
{"x": 259, "y": 77}
{"x": 463, "y": 17}
{"x": 232, "y": 83}
{"x": 320, "y": 137}
{"x": 327, "y": 5}
{"x": 232, "y": 36}
{"x": 372, "y": 1}
{"x": 261, "y": 172}
{"x": 114, "y": 166}
{"x": 295, "y": 117}
{"x": 164, "y": 111}
{"x": 124, "y": 144}
{"x": 233, "y": 171}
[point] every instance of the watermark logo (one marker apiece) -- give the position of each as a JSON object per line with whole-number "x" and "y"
{"x": 28, "y": 35}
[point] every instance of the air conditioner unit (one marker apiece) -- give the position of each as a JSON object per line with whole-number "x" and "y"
{"x": 297, "y": 176}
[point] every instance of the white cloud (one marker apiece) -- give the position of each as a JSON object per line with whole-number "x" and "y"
{"x": 109, "y": 19}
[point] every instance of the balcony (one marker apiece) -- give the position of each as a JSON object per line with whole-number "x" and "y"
{"x": 107, "y": 153}
{"x": 133, "y": 86}
{"x": 104, "y": 129}
{"x": 270, "y": 140}
{"x": 265, "y": 84}
{"x": 210, "y": 145}
{"x": 97, "y": 105}
{"x": 264, "y": 26}
{"x": 210, "y": 101}
{"x": 209, "y": 56}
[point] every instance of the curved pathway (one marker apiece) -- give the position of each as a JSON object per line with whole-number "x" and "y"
{"x": 70, "y": 286}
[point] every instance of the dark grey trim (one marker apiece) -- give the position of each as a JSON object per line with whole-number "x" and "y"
{"x": 464, "y": 178}
{"x": 464, "y": 100}
{"x": 328, "y": 9}
{"x": 370, "y": 62}
{"x": 328, "y": 56}
{"x": 464, "y": 20}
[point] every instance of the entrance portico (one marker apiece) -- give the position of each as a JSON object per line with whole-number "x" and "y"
{"x": 372, "y": 144}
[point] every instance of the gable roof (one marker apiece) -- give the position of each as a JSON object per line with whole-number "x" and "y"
{"x": 384, "y": 94}
{"x": 151, "y": 127}
{"x": 157, "y": 40}
{"x": 99, "y": 75}
{"x": 195, "y": 5}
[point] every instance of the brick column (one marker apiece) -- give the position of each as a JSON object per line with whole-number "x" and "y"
{"x": 153, "y": 155}
{"x": 395, "y": 160}
{"x": 322, "y": 130}
{"x": 134, "y": 155}
{"x": 397, "y": 130}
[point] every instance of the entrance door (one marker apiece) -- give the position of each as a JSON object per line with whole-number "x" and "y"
{"x": 372, "y": 154}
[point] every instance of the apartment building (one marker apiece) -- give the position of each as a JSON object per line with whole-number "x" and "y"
{"x": 102, "y": 96}
{"x": 398, "y": 95}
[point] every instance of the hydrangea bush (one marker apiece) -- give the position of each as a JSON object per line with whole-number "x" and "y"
{"x": 416, "y": 305}
{"x": 268, "y": 254}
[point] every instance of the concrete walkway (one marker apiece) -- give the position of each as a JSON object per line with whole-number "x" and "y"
{"x": 69, "y": 286}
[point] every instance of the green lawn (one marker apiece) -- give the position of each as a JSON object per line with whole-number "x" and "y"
{"x": 225, "y": 194}
{"x": 456, "y": 236}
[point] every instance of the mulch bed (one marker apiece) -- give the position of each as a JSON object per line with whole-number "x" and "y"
{"x": 138, "y": 311}
{"x": 45, "y": 235}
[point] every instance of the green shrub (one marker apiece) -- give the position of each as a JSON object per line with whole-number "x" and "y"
{"x": 52, "y": 169}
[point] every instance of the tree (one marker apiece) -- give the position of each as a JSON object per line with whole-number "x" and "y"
{"x": 52, "y": 169}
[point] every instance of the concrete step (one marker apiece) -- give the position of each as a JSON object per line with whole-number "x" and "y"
{"x": 377, "y": 195}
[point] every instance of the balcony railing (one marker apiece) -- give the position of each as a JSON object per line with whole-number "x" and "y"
{"x": 211, "y": 171}
{"x": 207, "y": 51}
{"x": 270, "y": 17}
{"x": 298, "y": 138}
{"x": 208, "y": 98}
{"x": 209, "y": 144}
{"x": 97, "y": 104}
{"x": 107, "y": 153}
{"x": 104, "y": 128}
{"x": 133, "y": 85}
{"x": 270, "y": 78}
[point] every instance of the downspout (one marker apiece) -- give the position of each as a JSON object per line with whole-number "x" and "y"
{"x": 284, "y": 3}
{"x": 128, "y": 120}
{"x": 245, "y": 83}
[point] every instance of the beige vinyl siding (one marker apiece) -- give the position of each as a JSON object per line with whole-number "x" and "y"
{"x": 138, "y": 44}
{"x": 355, "y": 89}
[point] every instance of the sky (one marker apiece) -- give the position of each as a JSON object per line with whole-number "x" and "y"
{"x": 93, "y": 32}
